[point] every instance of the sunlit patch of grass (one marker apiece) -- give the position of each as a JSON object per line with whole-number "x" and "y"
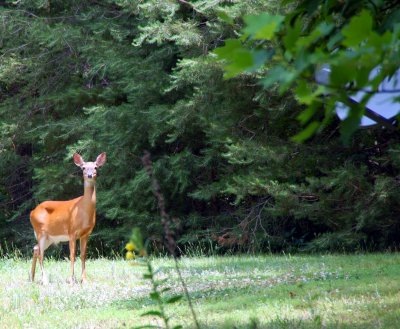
{"x": 330, "y": 291}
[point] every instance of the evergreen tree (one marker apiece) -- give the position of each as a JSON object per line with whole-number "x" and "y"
{"x": 124, "y": 77}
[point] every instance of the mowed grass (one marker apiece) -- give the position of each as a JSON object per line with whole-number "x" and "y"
{"x": 330, "y": 291}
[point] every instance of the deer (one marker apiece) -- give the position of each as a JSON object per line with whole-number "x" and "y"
{"x": 67, "y": 221}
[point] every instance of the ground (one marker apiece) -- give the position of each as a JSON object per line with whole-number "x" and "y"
{"x": 319, "y": 291}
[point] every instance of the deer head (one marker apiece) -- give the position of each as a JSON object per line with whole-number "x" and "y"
{"x": 89, "y": 169}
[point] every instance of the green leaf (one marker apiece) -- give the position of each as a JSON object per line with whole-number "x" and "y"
{"x": 263, "y": 26}
{"x": 154, "y": 295}
{"x": 231, "y": 46}
{"x": 259, "y": 58}
{"x": 351, "y": 123}
{"x": 329, "y": 111}
{"x": 153, "y": 313}
{"x": 379, "y": 42}
{"x": 358, "y": 29}
{"x": 305, "y": 59}
{"x": 308, "y": 113}
{"x": 279, "y": 74}
{"x": 293, "y": 34}
{"x": 225, "y": 17}
{"x": 239, "y": 58}
{"x": 307, "y": 132}
{"x": 320, "y": 31}
{"x": 178, "y": 327}
{"x": 305, "y": 94}
{"x": 362, "y": 76}
{"x": 334, "y": 40}
{"x": 174, "y": 299}
{"x": 343, "y": 73}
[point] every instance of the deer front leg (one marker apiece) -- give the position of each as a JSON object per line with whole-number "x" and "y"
{"x": 72, "y": 251}
{"x": 83, "y": 245}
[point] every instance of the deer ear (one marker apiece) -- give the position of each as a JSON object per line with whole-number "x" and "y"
{"x": 78, "y": 160}
{"x": 101, "y": 159}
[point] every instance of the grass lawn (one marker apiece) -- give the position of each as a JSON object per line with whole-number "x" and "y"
{"x": 330, "y": 291}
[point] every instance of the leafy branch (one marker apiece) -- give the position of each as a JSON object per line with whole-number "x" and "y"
{"x": 289, "y": 49}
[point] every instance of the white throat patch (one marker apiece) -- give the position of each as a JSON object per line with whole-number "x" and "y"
{"x": 89, "y": 183}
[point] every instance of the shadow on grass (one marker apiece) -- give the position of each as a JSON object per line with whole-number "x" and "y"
{"x": 210, "y": 294}
{"x": 266, "y": 290}
{"x": 233, "y": 307}
{"x": 389, "y": 321}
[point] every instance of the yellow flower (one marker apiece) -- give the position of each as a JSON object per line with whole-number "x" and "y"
{"x": 130, "y": 246}
{"x": 130, "y": 255}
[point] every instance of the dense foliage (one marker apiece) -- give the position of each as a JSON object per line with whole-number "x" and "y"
{"x": 128, "y": 76}
{"x": 357, "y": 41}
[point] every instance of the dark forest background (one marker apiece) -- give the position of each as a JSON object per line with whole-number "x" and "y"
{"x": 128, "y": 76}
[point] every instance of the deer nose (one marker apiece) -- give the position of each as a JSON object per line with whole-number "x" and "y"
{"x": 90, "y": 176}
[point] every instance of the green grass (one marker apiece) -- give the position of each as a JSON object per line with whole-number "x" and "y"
{"x": 331, "y": 291}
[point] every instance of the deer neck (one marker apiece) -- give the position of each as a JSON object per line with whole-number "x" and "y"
{"x": 89, "y": 195}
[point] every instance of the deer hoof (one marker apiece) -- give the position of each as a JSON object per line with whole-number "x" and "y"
{"x": 71, "y": 280}
{"x": 45, "y": 281}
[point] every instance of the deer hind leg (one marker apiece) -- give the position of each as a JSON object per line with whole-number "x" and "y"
{"x": 34, "y": 259}
{"x": 43, "y": 245}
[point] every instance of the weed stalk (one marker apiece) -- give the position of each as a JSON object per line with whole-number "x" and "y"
{"x": 166, "y": 224}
